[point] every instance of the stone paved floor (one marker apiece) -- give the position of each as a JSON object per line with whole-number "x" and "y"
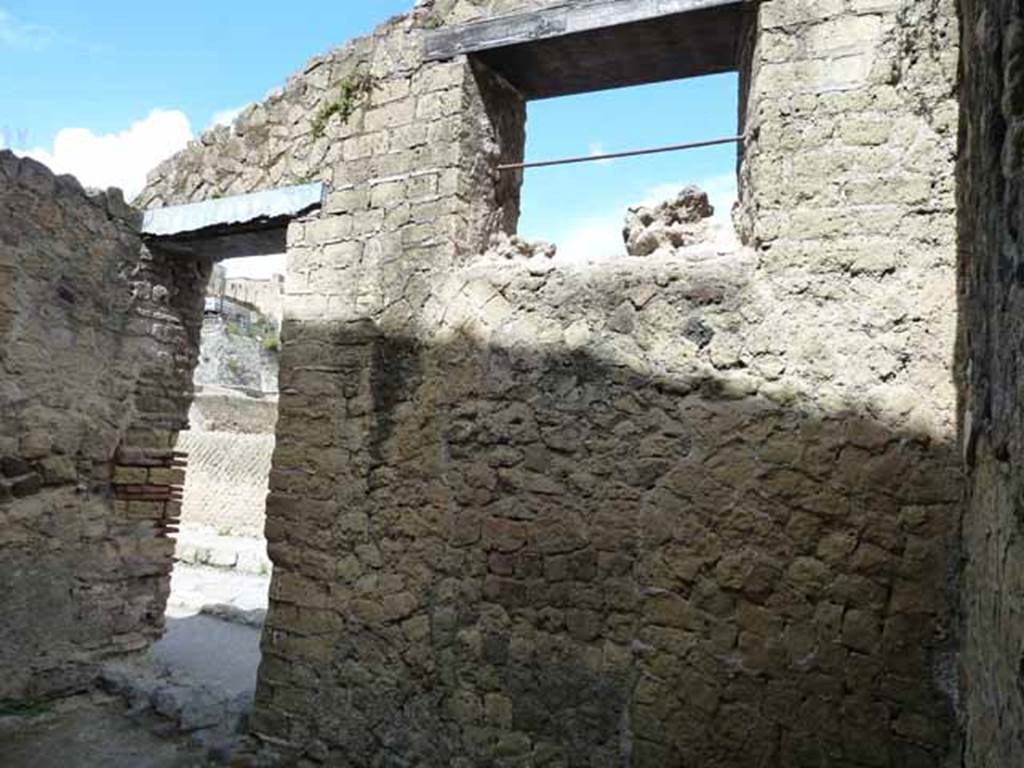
{"x": 202, "y": 545}
{"x": 193, "y": 587}
{"x": 210, "y": 651}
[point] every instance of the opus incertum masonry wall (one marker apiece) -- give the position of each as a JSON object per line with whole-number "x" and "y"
{"x": 98, "y": 338}
{"x": 652, "y": 512}
{"x": 518, "y": 516}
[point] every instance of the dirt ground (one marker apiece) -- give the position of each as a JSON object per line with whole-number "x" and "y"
{"x": 90, "y": 732}
{"x": 204, "y": 663}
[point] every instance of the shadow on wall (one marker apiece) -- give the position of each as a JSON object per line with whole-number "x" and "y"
{"x": 486, "y": 554}
{"x": 991, "y": 223}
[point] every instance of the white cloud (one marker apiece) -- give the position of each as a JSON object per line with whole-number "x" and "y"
{"x": 118, "y": 159}
{"x": 19, "y": 35}
{"x": 600, "y": 237}
{"x": 225, "y": 117}
{"x": 596, "y": 149}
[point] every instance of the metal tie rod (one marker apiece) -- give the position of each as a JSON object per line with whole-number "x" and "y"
{"x": 615, "y": 155}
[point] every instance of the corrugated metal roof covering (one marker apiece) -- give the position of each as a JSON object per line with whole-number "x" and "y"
{"x": 235, "y": 210}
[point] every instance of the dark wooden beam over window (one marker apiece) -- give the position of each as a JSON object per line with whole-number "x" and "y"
{"x": 589, "y": 45}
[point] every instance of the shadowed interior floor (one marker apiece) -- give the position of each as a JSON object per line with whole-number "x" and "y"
{"x": 202, "y": 663}
{"x": 222, "y": 655}
{"x": 89, "y": 732}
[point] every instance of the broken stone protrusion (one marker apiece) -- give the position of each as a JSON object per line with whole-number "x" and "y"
{"x": 673, "y": 224}
{"x": 506, "y": 246}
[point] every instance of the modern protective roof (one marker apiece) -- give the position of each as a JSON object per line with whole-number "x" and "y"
{"x": 251, "y": 210}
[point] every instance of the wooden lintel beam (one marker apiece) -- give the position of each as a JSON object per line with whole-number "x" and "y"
{"x": 571, "y": 17}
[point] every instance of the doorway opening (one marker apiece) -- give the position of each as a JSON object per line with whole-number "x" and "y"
{"x": 221, "y": 577}
{"x": 202, "y": 672}
{"x": 230, "y": 442}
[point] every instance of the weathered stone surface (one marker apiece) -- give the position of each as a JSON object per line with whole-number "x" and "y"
{"x": 95, "y": 360}
{"x": 238, "y": 356}
{"x": 992, "y": 410}
{"x": 505, "y": 246}
{"x": 662, "y": 510}
{"x": 213, "y": 718}
{"x": 226, "y": 484}
{"x": 669, "y": 225}
{"x": 652, "y": 507}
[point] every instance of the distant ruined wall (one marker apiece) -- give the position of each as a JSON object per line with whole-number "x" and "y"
{"x": 95, "y": 362}
{"x": 234, "y": 355}
{"x": 656, "y": 512}
{"x": 226, "y": 485}
{"x": 992, "y": 409}
{"x": 229, "y": 443}
{"x": 222, "y": 410}
{"x": 266, "y": 295}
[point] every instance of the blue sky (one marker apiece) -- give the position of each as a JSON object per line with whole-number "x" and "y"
{"x": 104, "y": 67}
{"x": 581, "y": 206}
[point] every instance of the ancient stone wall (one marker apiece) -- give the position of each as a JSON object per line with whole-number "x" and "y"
{"x": 266, "y": 295}
{"x": 95, "y": 362}
{"x": 847, "y": 190}
{"x": 229, "y": 443}
{"x": 672, "y": 510}
{"x": 218, "y": 409}
{"x": 226, "y": 485}
{"x": 992, "y": 412}
{"x": 561, "y": 531}
{"x": 238, "y": 355}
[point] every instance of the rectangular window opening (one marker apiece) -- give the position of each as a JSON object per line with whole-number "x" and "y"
{"x": 584, "y": 209}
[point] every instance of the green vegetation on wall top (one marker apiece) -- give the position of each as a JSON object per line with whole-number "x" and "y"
{"x": 353, "y": 92}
